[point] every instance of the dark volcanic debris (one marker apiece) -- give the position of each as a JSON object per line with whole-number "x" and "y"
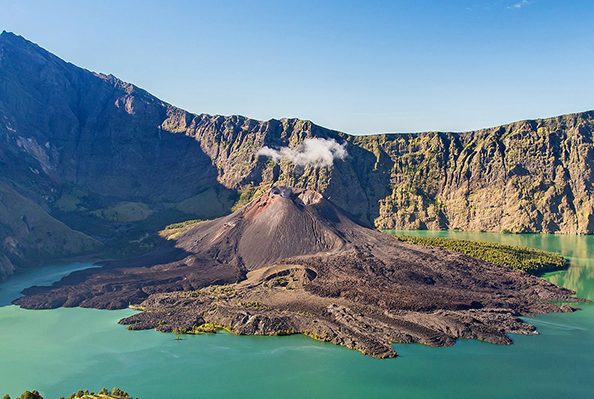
{"x": 295, "y": 263}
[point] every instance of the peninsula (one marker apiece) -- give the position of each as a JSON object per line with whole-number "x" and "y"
{"x": 292, "y": 262}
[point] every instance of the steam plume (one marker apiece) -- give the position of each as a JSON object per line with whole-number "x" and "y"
{"x": 313, "y": 151}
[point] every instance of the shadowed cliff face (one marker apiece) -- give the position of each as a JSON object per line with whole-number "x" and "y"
{"x": 90, "y": 153}
{"x": 109, "y": 162}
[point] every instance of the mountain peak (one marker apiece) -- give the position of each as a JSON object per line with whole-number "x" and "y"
{"x": 19, "y": 45}
{"x": 6, "y": 36}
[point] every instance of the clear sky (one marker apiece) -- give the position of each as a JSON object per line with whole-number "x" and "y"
{"x": 361, "y": 67}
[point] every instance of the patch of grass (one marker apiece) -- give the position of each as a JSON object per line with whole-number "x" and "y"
{"x": 182, "y": 224}
{"x": 174, "y": 230}
{"x": 207, "y": 328}
{"x": 252, "y": 305}
{"x": 246, "y": 194}
{"x": 530, "y": 260}
{"x": 208, "y": 204}
{"x": 204, "y": 328}
{"x": 124, "y": 212}
{"x": 224, "y": 292}
{"x": 72, "y": 199}
{"x": 323, "y": 337}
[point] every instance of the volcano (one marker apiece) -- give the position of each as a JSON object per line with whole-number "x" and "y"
{"x": 292, "y": 262}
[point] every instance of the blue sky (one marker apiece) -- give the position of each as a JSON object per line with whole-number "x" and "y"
{"x": 359, "y": 67}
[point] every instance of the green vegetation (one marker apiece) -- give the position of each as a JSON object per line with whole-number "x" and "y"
{"x": 209, "y": 203}
{"x": 224, "y": 292}
{"x": 182, "y": 224}
{"x": 207, "y": 328}
{"x": 246, "y": 194}
{"x": 530, "y": 260}
{"x": 252, "y": 305}
{"x": 204, "y": 328}
{"x": 124, "y": 212}
{"x": 71, "y": 200}
{"x": 172, "y": 231}
{"x": 115, "y": 393}
{"x": 322, "y": 337}
{"x": 178, "y": 332}
{"x": 29, "y": 395}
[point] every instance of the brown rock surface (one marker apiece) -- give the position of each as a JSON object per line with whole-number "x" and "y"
{"x": 293, "y": 262}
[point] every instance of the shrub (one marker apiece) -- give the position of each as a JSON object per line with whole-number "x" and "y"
{"x": 531, "y": 260}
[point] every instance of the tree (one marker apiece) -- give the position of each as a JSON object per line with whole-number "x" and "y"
{"x": 30, "y": 395}
{"x": 177, "y": 331}
{"x": 118, "y": 393}
{"x": 7, "y": 396}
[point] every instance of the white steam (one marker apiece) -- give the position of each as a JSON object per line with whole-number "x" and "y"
{"x": 313, "y": 152}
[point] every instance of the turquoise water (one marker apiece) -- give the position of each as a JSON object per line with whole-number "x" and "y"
{"x": 60, "y": 351}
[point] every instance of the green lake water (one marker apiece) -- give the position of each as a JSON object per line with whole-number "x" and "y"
{"x": 63, "y": 350}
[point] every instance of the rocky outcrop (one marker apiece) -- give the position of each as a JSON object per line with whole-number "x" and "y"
{"x": 113, "y": 162}
{"x": 531, "y": 176}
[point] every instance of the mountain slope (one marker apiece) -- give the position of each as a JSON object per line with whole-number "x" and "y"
{"x": 32, "y": 235}
{"x": 89, "y": 150}
{"x": 111, "y": 161}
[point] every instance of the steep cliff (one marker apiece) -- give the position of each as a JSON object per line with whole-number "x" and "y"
{"x": 529, "y": 176}
{"x": 110, "y": 162}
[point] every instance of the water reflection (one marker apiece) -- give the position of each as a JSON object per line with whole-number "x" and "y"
{"x": 45, "y": 275}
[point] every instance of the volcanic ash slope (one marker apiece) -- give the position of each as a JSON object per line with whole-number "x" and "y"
{"x": 306, "y": 268}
